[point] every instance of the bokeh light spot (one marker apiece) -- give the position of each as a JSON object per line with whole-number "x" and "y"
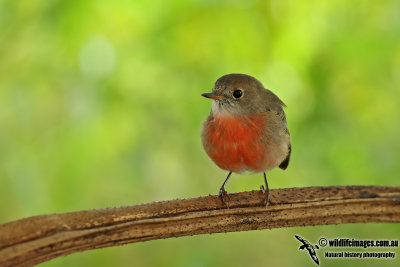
{"x": 97, "y": 58}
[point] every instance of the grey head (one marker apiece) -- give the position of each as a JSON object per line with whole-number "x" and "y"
{"x": 241, "y": 94}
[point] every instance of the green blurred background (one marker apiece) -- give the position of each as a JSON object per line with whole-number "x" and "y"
{"x": 100, "y": 106}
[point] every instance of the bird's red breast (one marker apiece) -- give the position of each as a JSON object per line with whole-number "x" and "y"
{"x": 238, "y": 143}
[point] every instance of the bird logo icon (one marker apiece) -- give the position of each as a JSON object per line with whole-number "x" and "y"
{"x": 310, "y": 248}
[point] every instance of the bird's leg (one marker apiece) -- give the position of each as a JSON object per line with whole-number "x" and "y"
{"x": 266, "y": 191}
{"x": 223, "y": 192}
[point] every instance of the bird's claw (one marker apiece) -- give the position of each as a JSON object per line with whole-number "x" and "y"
{"x": 266, "y": 194}
{"x": 262, "y": 188}
{"x": 222, "y": 194}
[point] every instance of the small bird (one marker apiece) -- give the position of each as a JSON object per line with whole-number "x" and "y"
{"x": 246, "y": 129}
{"x": 309, "y": 247}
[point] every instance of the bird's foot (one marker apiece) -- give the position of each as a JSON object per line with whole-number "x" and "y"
{"x": 223, "y": 194}
{"x": 266, "y": 195}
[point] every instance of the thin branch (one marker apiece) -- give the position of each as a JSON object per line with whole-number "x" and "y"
{"x": 37, "y": 239}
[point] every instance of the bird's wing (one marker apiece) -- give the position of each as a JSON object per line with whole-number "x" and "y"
{"x": 299, "y": 238}
{"x": 274, "y": 108}
{"x": 315, "y": 258}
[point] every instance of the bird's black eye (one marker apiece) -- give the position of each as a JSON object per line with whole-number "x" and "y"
{"x": 237, "y": 93}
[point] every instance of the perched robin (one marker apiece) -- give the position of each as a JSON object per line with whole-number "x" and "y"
{"x": 246, "y": 129}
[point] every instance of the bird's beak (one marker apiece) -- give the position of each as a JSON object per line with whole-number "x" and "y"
{"x": 214, "y": 96}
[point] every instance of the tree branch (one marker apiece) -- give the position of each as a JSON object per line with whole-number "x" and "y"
{"x": 40, "y": 238}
